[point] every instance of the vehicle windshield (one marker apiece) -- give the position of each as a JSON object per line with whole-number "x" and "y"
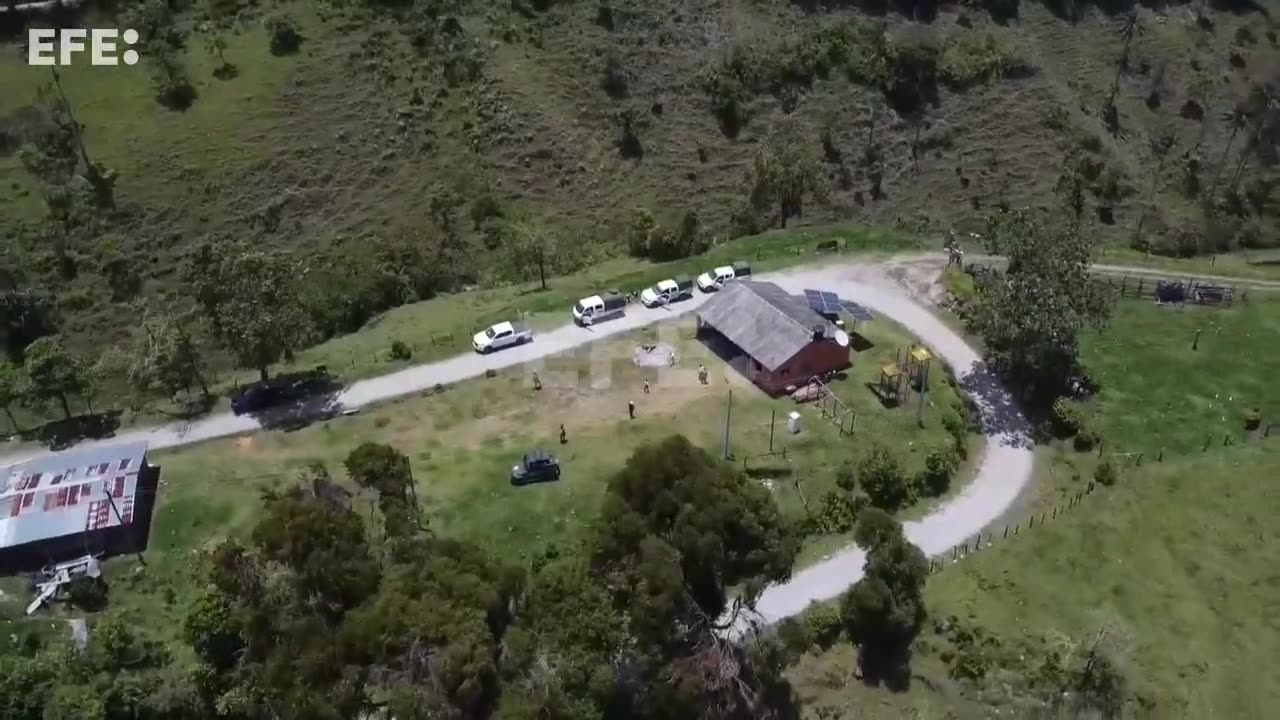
{"x": 489, "y": 333}
{"x": 578, "y": 308}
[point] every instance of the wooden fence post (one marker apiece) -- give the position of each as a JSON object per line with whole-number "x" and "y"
{"x": 1006, "y": 531}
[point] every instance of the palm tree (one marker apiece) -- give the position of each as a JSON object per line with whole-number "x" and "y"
{"x": 1162, "y": 146}
{"x": 1238, "y": 119}
{"x": 1130, "y": 27}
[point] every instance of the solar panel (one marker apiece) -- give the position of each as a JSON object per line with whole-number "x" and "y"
{"x": 823, "y": 302}
{"x": 858, "y": 312}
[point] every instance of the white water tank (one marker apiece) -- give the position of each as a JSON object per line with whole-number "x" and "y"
{"x": 793, "y": 423}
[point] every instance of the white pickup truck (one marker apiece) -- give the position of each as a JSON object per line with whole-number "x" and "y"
{"x": 504, "y": 334}
{"x": 713, "y": 280}
{"x": 667, "y": 291}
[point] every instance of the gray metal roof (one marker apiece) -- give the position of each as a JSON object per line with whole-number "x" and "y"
{"x": 764, "y": 321}
{"x": 67, "y": 492}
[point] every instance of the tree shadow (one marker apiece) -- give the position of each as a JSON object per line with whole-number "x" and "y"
{"x": 290, "y": 401}
{"x": 1001, "y": 415}
{"x": 62, "y": 434}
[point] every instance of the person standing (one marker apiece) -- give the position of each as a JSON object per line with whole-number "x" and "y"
{"x": 631, "y": 409}
{"x": 564, "y": 437}
{"x": 646, "y": 387}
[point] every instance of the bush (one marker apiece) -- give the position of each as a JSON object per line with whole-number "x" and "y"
{"x": 837, "y": 513}
{"x": 400, "y": 351}
{"x": 614, "y": 81}
{"x": 1252, "y": 419}
{"x": 824, "y": 624}
{"x": 87, "y": 593}
{"x": 795, "y": 636}
{"x": 955, "y": 427}
{"x": 285, "y": 38}
{"x": 939, "y": 465}
{"x": 882, "y": 479}
{"x": 1105, "y": 474}
{"x": 1086, "y": 440}
{"x": 845, "y": 479}
{"x": 967, "y": 59}
{"x": 1066, "y": 419}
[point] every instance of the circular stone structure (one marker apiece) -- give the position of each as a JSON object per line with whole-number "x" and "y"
{"x": 657, "y": 355}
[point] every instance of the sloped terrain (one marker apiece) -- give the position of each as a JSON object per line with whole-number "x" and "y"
{"x": 432, "y": 123}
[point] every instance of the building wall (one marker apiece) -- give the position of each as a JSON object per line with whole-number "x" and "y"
{"x": 817, "y": 358}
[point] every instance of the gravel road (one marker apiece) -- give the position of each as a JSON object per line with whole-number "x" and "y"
{"x": 1004, "y": 469}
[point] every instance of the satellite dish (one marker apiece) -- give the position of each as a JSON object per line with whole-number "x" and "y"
{"x": 842, "y": 338}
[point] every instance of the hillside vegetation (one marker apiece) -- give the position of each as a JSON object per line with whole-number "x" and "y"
{"x": 397, "y": 150}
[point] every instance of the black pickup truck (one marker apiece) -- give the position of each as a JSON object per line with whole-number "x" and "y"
{"x": 535, "y": 467}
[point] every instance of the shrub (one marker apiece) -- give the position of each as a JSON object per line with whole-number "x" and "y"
{"x": 824, "y": 624}
{"x": 285, "y": 38}
{"x": 882, "y": 479}
{"x": 939, "y": 465}
{"x": 837, "y": 513}
{"x": 795, "y": 636}
{"x": 1252, "y": 419}
{"x": 955, "y": 427}
{"x": 1086, "y": 440}
{"x": 967, "y": 59}
{"x": 1066, "y": 420}
{"x": 1105, "y": 474}
{"x": 87, "y": 593}
{"x": 614, "y": 81}
{"x": 845, "y": 479}
{"x": 400, "y": 351}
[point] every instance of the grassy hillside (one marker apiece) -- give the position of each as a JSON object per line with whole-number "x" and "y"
{"x": 1171, "y": 562}
{"x": 437, "y": 121}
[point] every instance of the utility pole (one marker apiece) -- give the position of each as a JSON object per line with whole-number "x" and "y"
{"x": 773, "y": 418}
{"x": 924, "y": 387}
{"x": 728, "y": 413}
{"x": 126, "y": 528}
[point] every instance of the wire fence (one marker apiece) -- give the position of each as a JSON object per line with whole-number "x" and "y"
{"x": 988, "y": 537}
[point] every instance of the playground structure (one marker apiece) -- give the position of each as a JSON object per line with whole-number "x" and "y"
{"x": 909, "y": 370}
{"x": 829, "y": 405}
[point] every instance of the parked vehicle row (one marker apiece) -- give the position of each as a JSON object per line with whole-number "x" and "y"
{"x": 610, "y": 304}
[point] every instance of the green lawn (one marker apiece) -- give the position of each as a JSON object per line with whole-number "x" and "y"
{"x": 463, "y": 442}
{"x": 1176, "y": 560}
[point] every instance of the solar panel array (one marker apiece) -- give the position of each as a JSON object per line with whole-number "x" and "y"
{"x": 829, "y": 303}
{"x": 825, "y": 303}
{"x": 858, "y": 312}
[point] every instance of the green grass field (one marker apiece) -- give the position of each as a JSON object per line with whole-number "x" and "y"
{"x": 1175, "y": 560}
{"x": 463, "y": 442}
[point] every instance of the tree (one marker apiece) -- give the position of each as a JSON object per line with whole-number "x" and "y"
{"x": 939, "y": 465}
{"x": 1237, "y": 118}
{"x": 53, "y": 372}
{"x": 697, "y": 524}
{"x": 785, "y": 173}
{"x": 1129, "y": 28}
{"x": 10, "y": 390}
{"x": 250, "y": 297}
{"x": 882, "y": 479}
{"x": 1031, "y": 317}
{"x": 165, "y": 357}
{"x": 25, "y": 316}
{"x": 528, "y": 247}
{"x": 1162, "y": 146}
{"x": 162, "y": 41}
{"x": 885, "y": 610}
{"x": 216, "y": 45}
{"x": 386, "y": 470}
